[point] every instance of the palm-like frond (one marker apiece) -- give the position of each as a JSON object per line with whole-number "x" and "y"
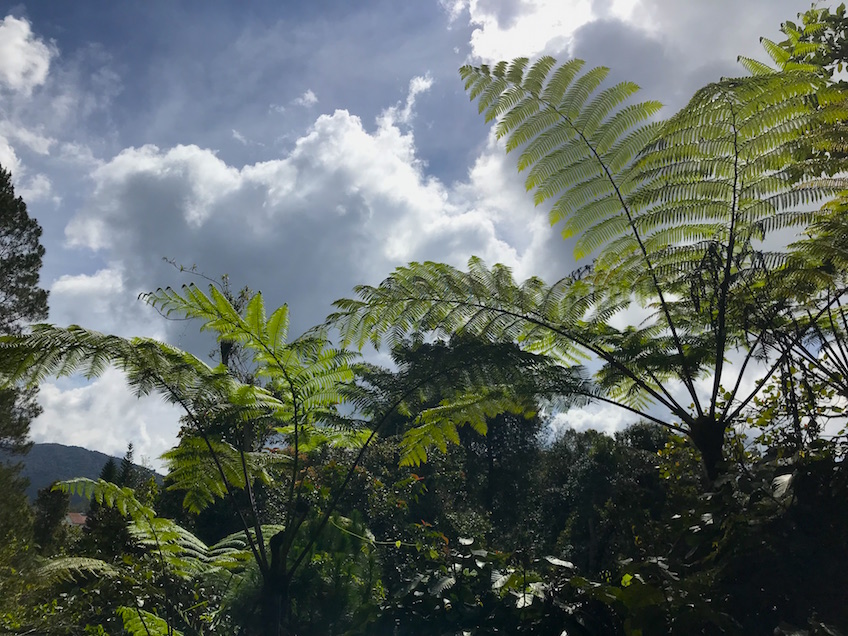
{"x": 308, "y": 363}
{"x": 204, "y": 468}
{"x": 438, "y": 426}
{"x": 179, "y": 550}
{"x": 139, "y": 622}
{"x": 75, "y": 568}
{"x": 565, "y": 322}
{"x": 107, "y": 494}
{"x": 580, "y": 141}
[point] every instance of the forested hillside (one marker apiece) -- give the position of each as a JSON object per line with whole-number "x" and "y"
{"x": 46, "y": 463}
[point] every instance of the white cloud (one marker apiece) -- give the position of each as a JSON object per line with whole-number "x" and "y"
{"x": 37, "y": 188}
{"x": 79, "y": 154}
{"x": 8, "y": 157}
{"x": 417, "y": 85}
{"x": 307, "y": 99}
{"x": 344, "y": 206}
{"x": 35, "y": 141}
{"x": 105, "y": 415}
{"x": 102, "y": 301}
{"x": 507, "y": 29}
{"x": 336, "y": 167}
{"x": 24, "y": 58}
{"x": 600, "y": 417}
{"x": 239, "y": 137}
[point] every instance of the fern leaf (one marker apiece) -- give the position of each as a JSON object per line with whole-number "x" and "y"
{"x": 75, "y": 569}
{"x": 139, "y": 622}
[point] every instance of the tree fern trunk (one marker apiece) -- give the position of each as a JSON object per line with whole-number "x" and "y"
{"x": 274, "y": 599}
{"x": 275, "y": 589}
{"x": 708, "y": 436}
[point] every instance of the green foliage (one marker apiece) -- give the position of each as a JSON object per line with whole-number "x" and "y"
{"x": 20, "y": 261}
{"x": 203, "y": 469}
{"x": 139, "y": 622}
{"x": 305, "y": 374}
{"x": 21, "y": 300}
{"x": 676, "y": 214}
{"x": 579, "y": 143}
{"x": 74, "y": 568}
{"x": 49, "y": 529}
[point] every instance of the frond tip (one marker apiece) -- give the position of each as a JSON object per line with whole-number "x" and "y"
{"x": 580, "y": 138}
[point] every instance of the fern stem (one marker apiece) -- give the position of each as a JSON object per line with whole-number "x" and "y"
{"x": 724, "y": 289}
{"x": 672, "y": 405}
{"x": 143, "y": 623}
{"x": 290, "y": 508}
{"x": 748, "y": 357}
{"x": 790, "y": 344}
{"x": 843, "y": 357}
{"x": 260, "y": 539}
{"x": 258, "y": 554}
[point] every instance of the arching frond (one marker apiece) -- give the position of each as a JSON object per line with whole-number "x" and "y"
{"x": 75, "y": 569}
{"x": 580, "y": 138}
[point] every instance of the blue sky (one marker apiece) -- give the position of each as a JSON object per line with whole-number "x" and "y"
{"x": 299, "y": 147}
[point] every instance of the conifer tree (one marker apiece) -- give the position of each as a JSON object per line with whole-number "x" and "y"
{"x": 21, "y": 301}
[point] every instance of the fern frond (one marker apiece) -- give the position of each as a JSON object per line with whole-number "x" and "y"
{"x": 108, "y": 494}
{"x": 579, "y": 138}
{"x": 75, "y": 569}
{"x": 139, "y": 622}
{"x": 199, "y": 467}
{"x": 438, "y": 426}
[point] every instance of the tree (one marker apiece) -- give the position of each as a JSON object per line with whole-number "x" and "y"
{"x": 293, "y": 397}
{"x": 675, "y": 213}
{"x": 49, "y": 529}
{"x": 106, "y": 535}
{"x": 21, "y": 301}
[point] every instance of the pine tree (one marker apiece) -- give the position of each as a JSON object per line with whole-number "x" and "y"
{"x": 21, "y": 301}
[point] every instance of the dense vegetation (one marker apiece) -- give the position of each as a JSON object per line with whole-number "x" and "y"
{"x": 312, "y": 492}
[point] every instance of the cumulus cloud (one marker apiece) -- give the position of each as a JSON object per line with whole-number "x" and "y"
{"x": 505, "y": 29}
{"x": 600, "y": 417}
{"x": 702, "y": 31}
{"x": 105, "y": 415}
{"x": 344, "y": 206}
{"x": 103, "y": 301}
{"x": 24, "y": 58}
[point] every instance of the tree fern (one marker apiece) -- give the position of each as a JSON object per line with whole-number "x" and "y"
{"x": 204, "y": 478}
{"x": 674, "y": 212}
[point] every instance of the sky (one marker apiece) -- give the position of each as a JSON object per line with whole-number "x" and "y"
{"x": 301, "y": 148}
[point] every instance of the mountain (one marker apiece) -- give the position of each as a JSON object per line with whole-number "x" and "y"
{"x": 46, "y": 463}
